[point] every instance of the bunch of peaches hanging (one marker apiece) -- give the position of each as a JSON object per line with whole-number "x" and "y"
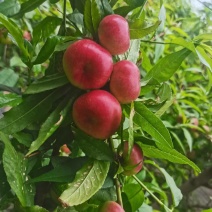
{"x": 89, "y": 66}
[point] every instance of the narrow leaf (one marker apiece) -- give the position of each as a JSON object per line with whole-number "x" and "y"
{"x": 168, "y": 154}
{"x": 133, "y": 52}
{"x": 33, "y": 108}
{"x": 46, "y": 83}
{"x": 15, "y": 168}
{"x": 63, "y": 173}
{"x": 92, "y": 16}
{"x": 204, "y": 58}
{"x": 150, "y": 123}
{"x": 189, "y": 139}
{"x": 166, "y": 67}
{"x": 94, "y": 148}
{"x": 137, "y": 33}
{"x": 47, "y": 50}
{"x": 16, "y": 33}
{"x": 176, "y": 193}
{"x": 52, "y": 123}
{"x": 41, "y": 31}
{"x": 87, "y": 182}
{"x": 27, "y": 7}
{"x": 206, "y": 36}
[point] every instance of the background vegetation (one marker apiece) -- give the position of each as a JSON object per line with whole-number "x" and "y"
{"x": 171, "y": 44}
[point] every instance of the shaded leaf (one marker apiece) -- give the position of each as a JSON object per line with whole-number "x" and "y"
{"x": 41, "y": 32}
{"x": 92, "y": 16}
{"x": 46, "y": 83}
{"x": 78, "y": 4}
{"x": 124, "y": 10}
{"x": 16, "y": 33}
{"x": 94, "y": 148}
{"x": 8, "y": 77}
{"x": 27, "y": 7}
{"x": 9, "y": 7}
{"x": 63, "y": 173}
{"x": 15, "y": 168}
{"x": 33, "y": 108}
{"x": 52, "y": 123}
{"x": 87, "y": 182}
{"x": 46, "y": 51}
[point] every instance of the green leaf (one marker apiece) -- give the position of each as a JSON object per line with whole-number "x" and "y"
{"x": 65, "y": 172}
{"x": 87, "y": 182}
{"x": 9, "y": 7}
{"x": 166, "y": 67}
{"x": 150, "y": 123}
{"x": 186, "y": 44}
{"x": 47, "y": 50}
{"x": 133, "y": 52}
{"x": 189, "y": 139}
{"x": 164, "y": 92}
{"x": 27, "y": 7}
{"x": 137, "y": 33}
{"x": 10, "y": 99}
{"x": 15, "y": 168}
{"x": 204, "y": 58}
{"x": 94, "y": 148}
{"x": 78, "y": 4}
{"x": 176, "y": 193}
{"x": 169, "y": 154}
{"x": 46, "y": 83}
{"x": 45, "y": 28}
{"x": 52, "y": 123}
{"x": 92, "y": 16}
{"x": 33, "y": 108}
{"x": 16, "y": 33}
{"x": 124, "y": 10}
{"x": 10, "y": 89}
{"x": 206, "y": 36}
{"x": 8, "y": 77}
{"x": 35, "y": 208}
{"x": 165, "y": 107}
{"x": 106, "y": 7}
{"x": 135, "y": 197}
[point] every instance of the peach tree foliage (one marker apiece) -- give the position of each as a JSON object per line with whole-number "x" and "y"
{"x": 35, "y": 174}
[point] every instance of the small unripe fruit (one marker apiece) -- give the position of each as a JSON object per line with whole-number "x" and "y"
{"x": 125, "y": 81}
{"x": 27, "y": 35}
{"x": 113, "y": 32}
{"x": 111, "y": 206}
{"x": 134, "y": 163}
{"x": 87, "y": 64}
{"x": 97, "y": 113}
{"x": 65, "y": 149}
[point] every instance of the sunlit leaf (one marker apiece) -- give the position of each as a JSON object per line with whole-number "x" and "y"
{"x": 87, "y": 182}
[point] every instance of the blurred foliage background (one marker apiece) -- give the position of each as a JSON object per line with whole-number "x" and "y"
{"x": 187, "y": 112}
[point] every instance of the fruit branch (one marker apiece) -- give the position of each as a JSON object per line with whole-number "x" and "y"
{"x": 142, "y": 185}
{"x": 117, "y": 183}
{"x": 64, "y": 16}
